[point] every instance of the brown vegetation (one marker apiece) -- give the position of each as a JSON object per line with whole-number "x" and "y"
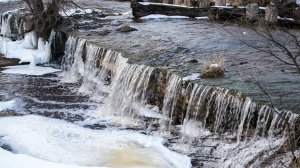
{"x": 213, "y": 67}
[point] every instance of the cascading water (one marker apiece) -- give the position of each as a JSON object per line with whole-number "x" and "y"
{"x": 207, "y": 115}
{"x": 203, "y": 111}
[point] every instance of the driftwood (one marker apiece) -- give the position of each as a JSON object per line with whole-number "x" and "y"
{"x": 143, "y": 9}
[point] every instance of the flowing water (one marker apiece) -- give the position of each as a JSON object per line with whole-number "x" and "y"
{"x": 103, "y": 111}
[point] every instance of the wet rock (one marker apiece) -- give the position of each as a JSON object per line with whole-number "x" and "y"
{"x": 125, "y": 28}
{"x": 104, "y": 31}
{"x": 9, "y": 113}
{"x": 243, "y": 62}
{"x": 64, "y": 116}
{"x": 5, "y": 147}
{"x": 96, "y": 126}
{"x": 8, "y": 61}
{"x": 193, "y": 60}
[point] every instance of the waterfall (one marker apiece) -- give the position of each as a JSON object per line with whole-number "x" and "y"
{"x": 202, "y": 110}
{"x": 171, "y": 97}
{"x": 131, "y": 90}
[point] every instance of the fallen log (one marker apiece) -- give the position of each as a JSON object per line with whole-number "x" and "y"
{"x": 140, "y": 9}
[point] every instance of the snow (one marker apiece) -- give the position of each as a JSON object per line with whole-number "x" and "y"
{"x": 163, "y": 4}
{"x": 158, "y": 16}
{"x": 11, "y": 105}
{"x": 78, "y": 11}
{"x": 30, "y": 49}
{"x": 214, "y": 66}
{"x": 200, "y": 18}
{"x": 193, "y": 76}
{"x": 36, "y": 139}
{"x": 7, "y": 0}
{"x": 24, "y": 49}
{"x": 29, "y": 70}
{"x": 298, "y": 2}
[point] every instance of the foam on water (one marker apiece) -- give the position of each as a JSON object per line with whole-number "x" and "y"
{"x": 14, "y": 104}
{"x": 63, "y": 142}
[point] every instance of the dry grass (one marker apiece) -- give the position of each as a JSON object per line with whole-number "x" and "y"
{"x": 296, "y": 163}
{"x": 213, "y": 67}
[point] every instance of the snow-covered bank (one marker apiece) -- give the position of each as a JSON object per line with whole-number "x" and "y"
{"x": 30, "y": 49}
{"x": 75, "y": 145}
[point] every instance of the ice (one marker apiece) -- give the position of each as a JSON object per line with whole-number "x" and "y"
{"x": 193, "y": 76}
{"x": 78, "y": 11}
{"x": 7, "y": 0}
{"x": 11, "y": 105}
{"x": 158, "y": 16}
{"x": 29, "y": 70}
{"x": 203, "y": 17}
{"x": 66, "y": 143}
{"x": 24, "y": 50}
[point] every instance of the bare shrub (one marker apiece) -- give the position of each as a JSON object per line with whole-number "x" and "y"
{"x": 213, "y": 67}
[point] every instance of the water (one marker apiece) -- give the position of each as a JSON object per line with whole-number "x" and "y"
{"x": 99, "y": 89}
{"x": 200, "y": 111}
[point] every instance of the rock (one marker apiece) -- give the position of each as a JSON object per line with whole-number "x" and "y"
{"x": 252, "y": 11}
{"x": 271, "y": 15}
{"x": 243, "y": 62}
{"x": 104, "y": 31}
{"x": 8, "y": 61}
{"x": 125, "y": 28}
{"x": 192, "y": 60}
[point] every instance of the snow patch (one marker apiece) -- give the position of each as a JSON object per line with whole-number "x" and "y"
{"x": 158, "y": 16}
{"x": 193, "y": 76}
{"x": 29, "y": 70}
